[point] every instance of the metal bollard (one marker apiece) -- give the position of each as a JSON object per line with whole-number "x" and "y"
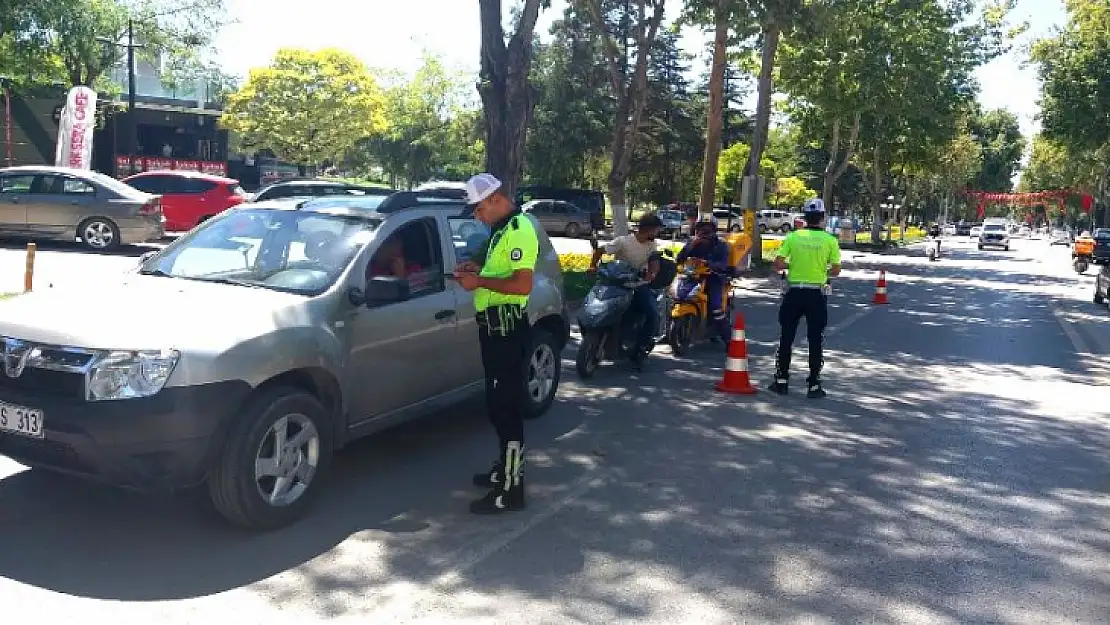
{"x": 29, "y": 271}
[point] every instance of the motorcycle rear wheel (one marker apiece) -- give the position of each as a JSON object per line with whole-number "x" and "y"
{"x": 679, "y": 336}
{"x": 588, "y": 357}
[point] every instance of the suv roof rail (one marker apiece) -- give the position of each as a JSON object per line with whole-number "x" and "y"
{"x": 411, "y": 199}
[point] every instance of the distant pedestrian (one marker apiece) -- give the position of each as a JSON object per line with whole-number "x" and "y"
{"x": 809, "y": 257}
{"x": 501, "y": 280}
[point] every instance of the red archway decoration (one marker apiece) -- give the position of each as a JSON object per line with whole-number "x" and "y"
{"x": 982, "y": 198}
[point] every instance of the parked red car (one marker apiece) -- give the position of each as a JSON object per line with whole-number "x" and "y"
{"x": 189, "y": 197}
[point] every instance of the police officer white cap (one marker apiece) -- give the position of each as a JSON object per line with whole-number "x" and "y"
{"x": 481, "y": 187}
{"x": 816, "y": 205}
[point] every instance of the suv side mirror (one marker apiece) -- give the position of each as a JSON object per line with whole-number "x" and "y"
{"x": 382, "y": 290}
{"x": 147, "y": 256}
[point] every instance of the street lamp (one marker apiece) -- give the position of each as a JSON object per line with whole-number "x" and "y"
{"x": 132, "y": 121}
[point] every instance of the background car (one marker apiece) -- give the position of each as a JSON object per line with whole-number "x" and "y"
{"x": 963, "y": 229}
{"x": 559, "y": 217}
{"x": 975, "y": 231}
{"x": 672, "y": 221}
{"x": 994, "y": 235}
{"x": 728, "y": 219}
{"x": 1059, "y": 236}
{"x": 593, "y": 202}
{"x": 949, "y": 230}
{"x": 767, "y": 220}
{"x": 313, "y": 187}
{"x": 63, "y": 203}
{"x": 1102, "y": 246}
{"x": 189, "y": 197}
{"x": 1102, "y": 285}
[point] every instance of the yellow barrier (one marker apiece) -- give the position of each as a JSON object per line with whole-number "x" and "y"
{"x": 29, "y": 269}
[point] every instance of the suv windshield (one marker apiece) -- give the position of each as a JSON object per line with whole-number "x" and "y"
{"x": 994, "y": 228}
{"x": 283, "y": 250}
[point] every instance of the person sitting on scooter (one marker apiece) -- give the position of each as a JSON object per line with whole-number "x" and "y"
{"x": 709, "y": 247}
{"x": 639, "y": 250}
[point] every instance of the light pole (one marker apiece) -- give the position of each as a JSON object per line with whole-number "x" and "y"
{"x": 132, "y": 120}
{"x": 6, "y": 83}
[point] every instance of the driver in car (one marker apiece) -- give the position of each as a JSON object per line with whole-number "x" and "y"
{"x": 389, "y": 260}
{"x": 640, "y": 251}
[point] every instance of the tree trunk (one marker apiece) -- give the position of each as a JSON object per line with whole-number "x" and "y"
{"x": 715, "y": 121}
{"x": 631, "y": 97}
{"x": 876, "y": 198}
{"x": 762, "y": 121}
{"x": 836, "y": 167}
{"x": 507, "y": 98}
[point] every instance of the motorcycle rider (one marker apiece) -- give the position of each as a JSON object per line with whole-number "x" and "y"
{"x": 639, "y": 249}
{"x": 707, "y": 246}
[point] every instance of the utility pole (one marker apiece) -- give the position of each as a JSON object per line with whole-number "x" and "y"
{"x": 132, "y": 120}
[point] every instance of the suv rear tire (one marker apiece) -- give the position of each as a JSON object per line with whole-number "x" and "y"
{"x": 573, "y": 230}
{"x": 544, "y": 352}
{"x": 785, "y": 228}
{"x": 234, "y": 483}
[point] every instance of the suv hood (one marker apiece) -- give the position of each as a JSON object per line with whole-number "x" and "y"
{"x": 145, "y": 312}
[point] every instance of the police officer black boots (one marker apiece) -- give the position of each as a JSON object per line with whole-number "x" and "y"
{"x": 491, "y": 478}
{"x": 508, "y": 496}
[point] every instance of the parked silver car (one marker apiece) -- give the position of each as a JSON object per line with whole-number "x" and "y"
{"x": 245, "y": 353}
{"x": 61, "y": 203}
{"x": 558, "y": 217}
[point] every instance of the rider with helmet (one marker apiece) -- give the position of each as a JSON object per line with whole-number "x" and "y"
{"x": 707, "y": 246}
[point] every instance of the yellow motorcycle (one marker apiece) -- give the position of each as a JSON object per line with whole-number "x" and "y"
{"x": 690, "y": 319}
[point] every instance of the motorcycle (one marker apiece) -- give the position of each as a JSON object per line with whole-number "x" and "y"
{"x": 1082, "y": 254}
{"x": 609, "y": 330}
{"x": 932, "y": 249}
{"x": 689, "y": 321}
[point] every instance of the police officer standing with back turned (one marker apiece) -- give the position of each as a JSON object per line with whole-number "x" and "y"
{"x": 501, "y": 280}
{"x": 813, "y": 255}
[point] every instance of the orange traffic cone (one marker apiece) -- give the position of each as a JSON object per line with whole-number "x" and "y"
{"x": 880, "y": 289}
{"x": 736, "y": 380}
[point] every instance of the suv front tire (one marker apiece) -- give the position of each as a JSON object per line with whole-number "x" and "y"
{"x": 264, "y": 446}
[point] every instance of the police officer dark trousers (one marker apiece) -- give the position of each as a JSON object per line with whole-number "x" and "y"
{"x": 501, "y": 285}
{"x": 813, "y": 256}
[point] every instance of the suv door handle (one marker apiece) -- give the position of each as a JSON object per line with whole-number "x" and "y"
{"x": 444, "y": 314}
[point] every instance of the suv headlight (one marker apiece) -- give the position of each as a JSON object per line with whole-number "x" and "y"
{"x": 129, "y": 374}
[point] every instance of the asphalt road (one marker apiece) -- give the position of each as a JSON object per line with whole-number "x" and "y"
{"x": 957, "y": 473}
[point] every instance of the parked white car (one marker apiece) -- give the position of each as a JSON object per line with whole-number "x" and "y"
{"x": 775, "y": 220}
{"x": 949, "y": 230}
{"x": 975, "y": 232}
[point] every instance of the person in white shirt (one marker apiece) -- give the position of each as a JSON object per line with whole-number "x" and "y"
{"x": 639, "y": 250}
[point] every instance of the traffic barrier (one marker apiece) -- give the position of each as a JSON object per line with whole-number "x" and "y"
{"x": 880, "y": 289}
{"x": 736, "y": 380}
{"x": 29, "y": 268}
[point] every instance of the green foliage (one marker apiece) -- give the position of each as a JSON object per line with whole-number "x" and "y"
{"x": 1002, "y": 146}
{"x": 790, "y": 192}
{"x": 74, "y": 41}
{"x": 731, "y": 167}
{"x": 1074, "y": 68}
{"x": 308, "y": 107}
{"x": 431, "y": 133}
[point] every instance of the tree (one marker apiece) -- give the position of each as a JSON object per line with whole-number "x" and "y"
{"x": 731, "y": 167}
{"x": 308, "y": 107}
{"x": 627, "y": 62}
{"x": 572, "y": 119}
{"x": 790, "y": 192}
{"x": 1074, "y": 67}
{"x": 999, "y": 136}
{"x": 507, "y": 95}
{"x": 421, "y": 115}
{"x": 721, "y": 14}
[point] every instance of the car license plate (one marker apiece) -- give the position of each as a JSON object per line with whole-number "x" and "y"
{"x": 21, "y": 420}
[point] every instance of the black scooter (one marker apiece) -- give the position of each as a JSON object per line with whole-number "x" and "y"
{"x": 609, "y": 331}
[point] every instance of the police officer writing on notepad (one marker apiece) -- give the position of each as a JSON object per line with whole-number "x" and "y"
{"x": 501, "y": 280}
{"x": 809, "y": 256}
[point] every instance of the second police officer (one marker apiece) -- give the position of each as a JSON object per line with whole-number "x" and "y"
{"x": 501, "y": 280}
{"x": 809, "y": 256}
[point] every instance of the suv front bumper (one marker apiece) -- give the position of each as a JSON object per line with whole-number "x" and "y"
{"x": 162, "y": 443}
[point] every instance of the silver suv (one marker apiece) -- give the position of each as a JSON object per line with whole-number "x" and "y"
{"x": 245, "y": 353}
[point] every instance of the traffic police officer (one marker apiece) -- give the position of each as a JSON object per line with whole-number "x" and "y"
{"x": 813, "y": 256}
{"x": 501, "y": 279}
